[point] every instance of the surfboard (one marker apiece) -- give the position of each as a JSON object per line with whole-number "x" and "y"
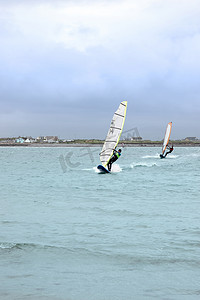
{"x": 102, "y": 169}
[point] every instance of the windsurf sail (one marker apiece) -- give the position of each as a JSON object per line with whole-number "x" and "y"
{"x": 167, "y": 137}
{"x": 114, "y": 133}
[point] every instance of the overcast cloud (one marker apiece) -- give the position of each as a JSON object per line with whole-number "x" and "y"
{"x": 65, "y": 67}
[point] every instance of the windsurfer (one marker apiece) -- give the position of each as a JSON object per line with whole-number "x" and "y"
{"x": 170, "y": 150}
{"x": 115, "y": 156}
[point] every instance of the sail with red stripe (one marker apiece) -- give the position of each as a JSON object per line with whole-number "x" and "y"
{"x": 167, "y": 137}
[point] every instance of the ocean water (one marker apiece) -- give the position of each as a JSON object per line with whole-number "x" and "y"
{"x": 69, "y": 233}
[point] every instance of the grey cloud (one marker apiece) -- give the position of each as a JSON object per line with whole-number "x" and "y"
{"x": 55, "y": 90}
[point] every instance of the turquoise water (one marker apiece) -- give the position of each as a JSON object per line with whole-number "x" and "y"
{"x": 69, "y": 233}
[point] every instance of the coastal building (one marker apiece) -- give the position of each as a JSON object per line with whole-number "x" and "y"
{"x": 191, "y": 139}
{"x": 47, "y": 139}
{"x": 19, "y": 140}
{"x": 51, "y": 139}
{"x": 40, "y": 139}
{"x": 29, "y": 140}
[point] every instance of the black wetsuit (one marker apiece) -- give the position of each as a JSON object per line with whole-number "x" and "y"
{"x": 170, "y": 151}
{"x": 115, "y": 156}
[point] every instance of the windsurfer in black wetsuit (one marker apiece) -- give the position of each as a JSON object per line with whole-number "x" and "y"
{"x": 115, "y": 156}
{"x": 170, "y": 150}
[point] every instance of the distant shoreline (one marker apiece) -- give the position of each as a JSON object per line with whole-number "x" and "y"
{"x": 67, "y": 145}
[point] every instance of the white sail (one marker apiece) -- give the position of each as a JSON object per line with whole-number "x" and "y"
{"x": 167, "y": 136}
{"x": 114, "y": 133}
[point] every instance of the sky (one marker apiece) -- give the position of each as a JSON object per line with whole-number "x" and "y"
{"x": 66, "y": 65}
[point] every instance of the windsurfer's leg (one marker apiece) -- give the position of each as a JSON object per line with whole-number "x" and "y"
{"x": 166, "y": 153}
{"x": 112, "y": 160}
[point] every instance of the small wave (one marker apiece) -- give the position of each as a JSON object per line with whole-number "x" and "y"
{"x": 96, "y": 170}
{"x": 152, "y": 156}
{"x": 7, "y": 245}
{"x": 32, "y": 246}
{"x": 158, "y": 156}
{"x": 193, "y": 155}
{"x": 117, "y": 212}
{"x": 142, "y": 164}
{"x": 116, "y": 168}
{"x": 110, "y": 252}
{"x": 172, "y": 156}
{"x": 10, "y": 246}
{"x": 20, "y": 246}
{"x": 84, "y": 251}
